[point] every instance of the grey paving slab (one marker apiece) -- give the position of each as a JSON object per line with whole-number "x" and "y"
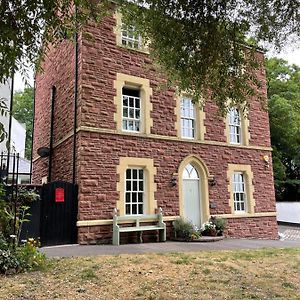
{"x": 226, "y": 244}
{"x": 291, "y": 233}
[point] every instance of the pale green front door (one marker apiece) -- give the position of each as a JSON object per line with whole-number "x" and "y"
{"x": 191, "y": 196}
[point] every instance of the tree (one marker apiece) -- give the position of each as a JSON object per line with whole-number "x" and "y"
{"x": 201, "y": 45}
{"x": 23, "y": 112}
{"x": 284, "y": 111}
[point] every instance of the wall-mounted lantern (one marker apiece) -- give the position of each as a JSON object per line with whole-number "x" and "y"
{"x": 174, "y": 179}
{"x": 266, "y": 160}
{"x": 212, "y": 181}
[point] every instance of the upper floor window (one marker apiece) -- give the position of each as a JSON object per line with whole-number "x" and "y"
{"x": 131, "y": 117}
{"x": 239, "y": 192}
{"x": 188, "y": 118}
{"x": 130, "y": 38}
{"x": 134, "y": 192}
{"x": 234, "y": 126}
{"x": 127, "y": 36}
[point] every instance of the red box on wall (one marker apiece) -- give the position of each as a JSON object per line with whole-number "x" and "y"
{"x": 59, "y": 195}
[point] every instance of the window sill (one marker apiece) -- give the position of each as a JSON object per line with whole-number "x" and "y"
{"x": 142, "y": 50}
{"x": 246, "y": 215}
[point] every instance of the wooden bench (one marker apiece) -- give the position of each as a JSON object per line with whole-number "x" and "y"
{"x": 159, "y": 225}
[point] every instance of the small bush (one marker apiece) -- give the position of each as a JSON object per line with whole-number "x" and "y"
{"x": 185, "y": 229}
{"x": 20, "y": 258}
{"x": 8, "y": 262}
{"x": 219, "y": 224}
{"x": 29, "y": 257}
{"x": 4, "y": 245}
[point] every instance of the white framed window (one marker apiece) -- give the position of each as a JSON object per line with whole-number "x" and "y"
{"x": 239, "y": 192}
{"x": 134, "y": 191}
{"x": 235, "y": 127}
{"x": 131, "y": 110}
{"x": 130, "y": 38}
{"x": 188, "y": 118}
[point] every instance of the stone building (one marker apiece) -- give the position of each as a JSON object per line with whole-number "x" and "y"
{"x": 138, "y": 147}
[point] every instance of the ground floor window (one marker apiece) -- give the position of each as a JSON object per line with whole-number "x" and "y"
{"x": 239, "y": 192}
{"x": 241, "y": 189}
{"x": 134, "y": 191}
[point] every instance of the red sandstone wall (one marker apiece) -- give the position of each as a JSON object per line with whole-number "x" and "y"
{"x": 101, "y": 152}
{"x": 57, "y": 70}
{"x": 103, "y": 59}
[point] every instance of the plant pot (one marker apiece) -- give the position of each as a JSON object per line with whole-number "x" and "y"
{"x": 209, "y": 232}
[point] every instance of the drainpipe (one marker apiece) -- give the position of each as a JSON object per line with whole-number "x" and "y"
{"x": 75, "y": 101}
{"x": 53, "y": 95}
{"x": 32, "y": 133}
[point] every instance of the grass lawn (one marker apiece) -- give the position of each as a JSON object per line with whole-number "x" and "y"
{"x": 258, "y": 274}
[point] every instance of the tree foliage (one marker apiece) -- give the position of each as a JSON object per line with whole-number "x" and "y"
{"x": 25, "y": 25}
{"x": 199, "y": 44}
{"x": 23, "y": 112}
{"x": 203, "y": 45}
{"x": 284, "y": 111}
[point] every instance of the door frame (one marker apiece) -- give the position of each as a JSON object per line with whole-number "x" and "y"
{"x": 204, "y": 175}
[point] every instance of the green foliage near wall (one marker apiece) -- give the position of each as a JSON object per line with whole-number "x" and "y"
{"x": 23, "y": 112}
{"x": 284, "y": 111}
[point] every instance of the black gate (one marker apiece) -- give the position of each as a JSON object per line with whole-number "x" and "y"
{"x": 58, "y": 213}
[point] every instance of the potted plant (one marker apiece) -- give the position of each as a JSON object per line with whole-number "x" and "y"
{"x": 214, "y": 227}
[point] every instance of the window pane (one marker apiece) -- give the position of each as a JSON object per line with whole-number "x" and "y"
{"x": 134, "y": 173}
{"x": 134, "y": 197}
{"x": 127, "y": 197}
{"x": 128, "y": 173}
{"x": 134, "y": 209}
{"x": 134, "y": 187}
{"x": 140, "y": 197}
{"x": 141, "y": 210}
{"x": 137, "y": 114}
{"x": 131, "y": 102}
{"x": 141, "y": 174}
{"x": 141, "y": 186}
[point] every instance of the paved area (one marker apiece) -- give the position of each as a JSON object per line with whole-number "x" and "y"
{"x": 289, "y": 237}
{"x": 290, "y": 233}
{"x": 226, "y": 244}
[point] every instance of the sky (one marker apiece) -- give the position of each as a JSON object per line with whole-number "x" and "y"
{"x": 290, "y": 54}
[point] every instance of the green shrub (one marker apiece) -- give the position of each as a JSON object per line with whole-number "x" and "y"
{"x": 29, "y": 256}
{"x": 22, "y": 258}
{"x": 9, "y": 262}
{"x": 185, "y": 229}
{"x": 219, "y": 225}
{"x": 4, "y": 245}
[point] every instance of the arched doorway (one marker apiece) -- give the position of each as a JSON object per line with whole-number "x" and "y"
{"x": 191, "y": 195}
{"x": 193, "y": 190}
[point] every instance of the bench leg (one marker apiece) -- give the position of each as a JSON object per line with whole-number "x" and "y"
{"x": 163, "y": 235}
{"x": 116, "y": 237}
{"x": 141, "y": 236}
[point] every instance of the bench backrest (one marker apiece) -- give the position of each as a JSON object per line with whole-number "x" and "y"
{"x": 137, "y": 219}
